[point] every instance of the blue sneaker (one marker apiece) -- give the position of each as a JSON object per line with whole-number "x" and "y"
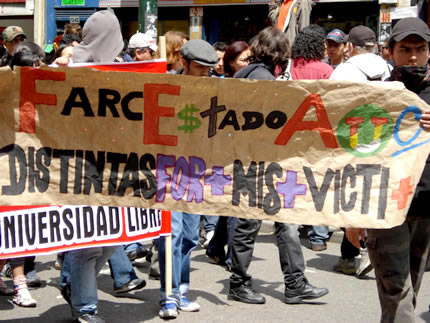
{"x": 187, "y": 306}
{"x": 168, "y": 311}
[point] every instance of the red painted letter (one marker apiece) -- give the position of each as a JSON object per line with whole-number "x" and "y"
{"x": 296, "y": 123}
{"x": 153, "y": 112}
{"x": 29, "y": 97}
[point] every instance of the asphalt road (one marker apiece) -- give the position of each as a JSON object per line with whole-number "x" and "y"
{"x": 350, "y": 299}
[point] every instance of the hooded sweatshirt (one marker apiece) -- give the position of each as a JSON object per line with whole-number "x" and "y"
{"x": 101, "y": 39}
{"x": 362, "y": 68}
{"x": 256, "y": 71}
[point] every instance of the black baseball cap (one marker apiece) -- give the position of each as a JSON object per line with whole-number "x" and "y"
{"x": 362, "y": 36}
{"x": 410, "y": 26}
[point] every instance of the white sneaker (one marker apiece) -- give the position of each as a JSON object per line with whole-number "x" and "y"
{"x": 186, "y": 305}
{"x": 365, "y": 266}
{"x": 105, "y": 270}
{"x": 23, "y": 298}
{"x": 168, "y": 311}
{"x": 209, "y": 237}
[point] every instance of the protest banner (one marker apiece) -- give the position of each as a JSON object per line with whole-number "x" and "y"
{"x": 311, "y": 152}
{"x": 27, "y": 230}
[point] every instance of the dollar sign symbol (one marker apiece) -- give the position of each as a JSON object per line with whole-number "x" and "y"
{"x": 190, "y": 122}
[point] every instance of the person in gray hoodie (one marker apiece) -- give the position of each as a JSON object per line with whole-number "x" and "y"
{"x": 364, "y": 65}
{"x": 102, "y": 42}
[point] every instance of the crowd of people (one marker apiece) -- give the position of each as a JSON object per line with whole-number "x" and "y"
{"x": 398, "y": 255}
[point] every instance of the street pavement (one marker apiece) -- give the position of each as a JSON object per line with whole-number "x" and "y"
{"x": 350, "y": 299}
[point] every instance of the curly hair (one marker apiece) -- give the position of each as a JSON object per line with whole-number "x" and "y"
{"x": 271, "y": 47}
{"x": 309, "y": 43}
{"x": 232, "y": 51}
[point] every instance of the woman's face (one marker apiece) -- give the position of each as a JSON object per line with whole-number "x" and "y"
{"x": 67, "y": 52}
{"x": 241, "y": 61}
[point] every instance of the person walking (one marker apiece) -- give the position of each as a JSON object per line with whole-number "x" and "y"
{"x": 399, "y": 255}
{"x": 268, "y": 51}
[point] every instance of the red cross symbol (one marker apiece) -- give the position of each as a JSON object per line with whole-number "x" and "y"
{"x": 401, "y": 194}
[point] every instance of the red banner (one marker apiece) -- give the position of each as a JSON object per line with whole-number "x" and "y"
{"x": 37, "y": 230}
{"x": 152, "y": 66}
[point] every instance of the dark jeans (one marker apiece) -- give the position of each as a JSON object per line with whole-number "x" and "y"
{"x": 290, "y": 252}
{"x": 399, "y": 256}
{"x": 224, "y": 231}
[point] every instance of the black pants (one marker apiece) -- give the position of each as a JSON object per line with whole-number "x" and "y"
{"x": 290, "y": 252}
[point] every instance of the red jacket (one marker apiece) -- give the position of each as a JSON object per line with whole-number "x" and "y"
{"x": 312, "y": 69}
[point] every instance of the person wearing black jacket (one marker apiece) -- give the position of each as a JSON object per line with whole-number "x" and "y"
{"x": 269, "y": 52}
{"x": 399, "y": 254}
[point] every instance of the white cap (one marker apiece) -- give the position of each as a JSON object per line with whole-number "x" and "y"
{"x": 140, "y": 40}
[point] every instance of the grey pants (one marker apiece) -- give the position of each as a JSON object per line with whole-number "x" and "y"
{"x": 399, "y": 257}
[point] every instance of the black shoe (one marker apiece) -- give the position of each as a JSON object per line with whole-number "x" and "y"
{"x": 133, "y": 284}
{"x": 66, "y": 293}
{"x": 244, "y": 293}
{"x": 219, "y": 259}
{"x": 137, "y": 254}
{"x": 307, "y": 291}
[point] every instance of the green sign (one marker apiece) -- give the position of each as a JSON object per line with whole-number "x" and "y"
{"x": 73, "y": 2}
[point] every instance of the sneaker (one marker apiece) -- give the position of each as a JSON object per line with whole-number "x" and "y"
{"x": 307, "y": 291}
{"x": 137, "y": 283}
{"x": 7, "y": 271}
{"x": 137, "y": 254}
{"x": 67, "y": 294}
{"x": 345, "y": 266}
{"x": 33, "y": 280}
{"x": 23, "y": 298}
{"x": 58, "y": 264}
{"x": 186, "y": 305}
{"x": 105, "y": 270}
{"x": 209, "y": 237}
{"x": 4, "y": 290}
{"x": 365, "y": 266}
{"x": 244, "y": 293}
{"x": 168, "y": 311}
{"x": 89, "y": 318}
{"x": 318, "y": 247}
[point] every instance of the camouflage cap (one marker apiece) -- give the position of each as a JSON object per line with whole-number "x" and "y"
{"x": 11, "y": 32}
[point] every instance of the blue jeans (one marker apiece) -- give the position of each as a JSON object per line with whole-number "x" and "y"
{"x": 318, "y": 234}
{"x": 65, "y": 269}
{"x": 135, "y": 246}
{"x": 209, "y": 222}
{"x": 185, "y": 237}
{"x": 85, "y": 265}
{"x": 120, "y": 267}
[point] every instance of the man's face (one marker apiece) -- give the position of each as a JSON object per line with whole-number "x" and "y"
{"x": 412, "y": 50}
{"x": 195, "y": 69}
{"x": 335, "y": 51}
{"x": 144, "y": 54}
{"x": 219, "y": 68}
{"x": 13, "y": 44}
